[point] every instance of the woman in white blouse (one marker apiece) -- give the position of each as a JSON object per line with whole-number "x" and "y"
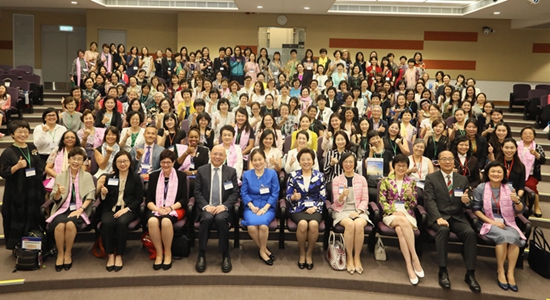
{"x": 420, "y": 165}
{"x": 221, "y": 118}
{"x": 46, "y": 136}
{"x": 132, "y": 135}
{"x": 291, "y": 162}
{"x": 273, "y": 155}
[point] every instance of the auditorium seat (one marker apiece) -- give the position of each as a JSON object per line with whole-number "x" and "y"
{"x": 519, "y": 95}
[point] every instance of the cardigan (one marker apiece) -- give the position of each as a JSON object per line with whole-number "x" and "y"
{"x": 360, "y": 190}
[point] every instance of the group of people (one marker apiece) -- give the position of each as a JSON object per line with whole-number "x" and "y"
{"x": 307, "y": 131}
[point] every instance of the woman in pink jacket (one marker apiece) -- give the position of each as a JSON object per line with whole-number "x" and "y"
{"x": 350, "y": 196}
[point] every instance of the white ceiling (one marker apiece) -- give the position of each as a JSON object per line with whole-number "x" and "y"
{"x": 519, "y": 10}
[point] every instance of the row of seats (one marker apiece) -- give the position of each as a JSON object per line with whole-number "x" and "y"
{"x": 24, "y": 88}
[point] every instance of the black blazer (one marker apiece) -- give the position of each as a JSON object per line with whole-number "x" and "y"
{"x": 116, "y": 120}
{"x": 382, "y": 123}
{"x": 218, "y": 63}
{"x": 471, "y": 171}
{"x": 202, "y": 187}
{"x": 168, "y": 66}
{"x": 182, "y": 195}
{"x": 481, "y": 151}
{"x": 200, "y": 160}
{"x": 133, "y": 193}
{"x": 437, "y": 201}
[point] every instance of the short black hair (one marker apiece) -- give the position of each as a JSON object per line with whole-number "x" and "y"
{"x": 399, "y": 158}
{"x": 489, "y": 166}
{"x": 305, "y": 151}
{"x": 168, "y": 154}
{"x": 16, "y": 124}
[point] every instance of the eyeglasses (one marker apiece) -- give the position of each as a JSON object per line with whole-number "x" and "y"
{"x": 24, "y": 131}
{"x": 447, "y": 159}
{"x": 122, "y": 162}
{"x": 166, "y": 163}
{"x": 74, "y": 159}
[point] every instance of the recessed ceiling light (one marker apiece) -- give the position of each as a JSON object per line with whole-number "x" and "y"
{"x": 259, "y": 6}
{"x": 497, "y": 13}
{"x": 74, "y": 2}
{"x": 307, "y": 7}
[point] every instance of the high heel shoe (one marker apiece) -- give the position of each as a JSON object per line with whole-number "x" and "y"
{"x": 68, "y": 266}
{"x": 110, "y": 268}
{"x": 538, "y": 215}
{"x": 359, "y": 271}
{"x": 157, "y": 267}
{"x": 419, "y": 274}
{"x": 513, "y": 287}
{"x": 118, "y": 268}
{"x": 414, "y": 281}
{"x": 502, "y": 285}
{"x": 351, "y": 271}
{"x": 58, "y": 268}
{"x": 271, "y": 256}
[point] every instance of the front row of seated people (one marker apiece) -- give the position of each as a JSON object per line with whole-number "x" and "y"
{"x": 216, "y": 190}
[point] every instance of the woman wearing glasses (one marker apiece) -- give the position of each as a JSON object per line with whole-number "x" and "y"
{"x": 121, "y": 195}
{"x": 465, "y": 163}
{"x": 73, "y": 193}
{"x": 24, "y": 191}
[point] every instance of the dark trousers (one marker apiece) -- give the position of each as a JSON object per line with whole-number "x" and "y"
{"x": 466, "y": 234}
{"x": 219, "y": 222}
{"x": 114, "y": 232}
{"x": 238, "y": 78}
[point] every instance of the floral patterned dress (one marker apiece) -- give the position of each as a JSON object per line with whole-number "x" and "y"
{"x": 393, "y": 199}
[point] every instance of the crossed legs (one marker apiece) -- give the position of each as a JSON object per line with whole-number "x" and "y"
{"x": 405, "y": 234}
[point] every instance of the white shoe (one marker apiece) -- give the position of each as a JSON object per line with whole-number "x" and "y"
{"x": 414, "y": 281}
{"x": 419, "y": 274}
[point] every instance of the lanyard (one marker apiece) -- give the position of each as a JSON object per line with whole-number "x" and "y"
{"x": 393, "y": 146}
{"x": 508, "y": 168}
{"x": 496, "y": 201}
{"x": 27, "y": 155}
{"x": 435, "y": 147}
{"x": 52, "y": 134}
{"x": 166, "y": 181}
{"x": 381, "y": 154}
{"x": 463, "y": 166}
{"x": 171, "y": 137}
{"x": 134, "y": 138}
{"x": 419, "y": 167}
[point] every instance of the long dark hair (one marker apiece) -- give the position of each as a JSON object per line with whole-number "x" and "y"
{"x": 264, "y": 135}
{"x": 517, "y": 166}
{"x": 62, "y": 141}
{"x": 119, "y": 154}
{"x": 246, "y": 125}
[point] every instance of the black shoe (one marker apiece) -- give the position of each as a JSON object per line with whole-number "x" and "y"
{"x": 67, "y": 267}
{"x": 109, "y": 268}
{"x": 501, "y": 285}
{"x": 200, "y": 266}
{"x": 166, "y": 267}
{"x": 271, "y": 256}
{"x": 472, "y": 283}
{"x": 301, "y": 265}
{"x": 226, "y": 265}
{"x": 309, "y": 266}
{"x": 268, "y": 262}
{"x": 157, "y": 267}
{"x": 58, "y": 268}
{"x": 118, "y": 268}
{"x": 513, "y": 287}
{"x": 444, "y": 281}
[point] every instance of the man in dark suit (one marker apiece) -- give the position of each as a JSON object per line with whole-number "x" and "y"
{"x": 146, "y": 156}
{"x": 446, "y": 196}
{"x": 376, "y": 122}
{"x": 216, "y": 192}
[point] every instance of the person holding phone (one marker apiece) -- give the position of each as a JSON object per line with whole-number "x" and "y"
{"x": 350, "y": 196}
{"x": 496, "y": 203}
{"x": 445, "y": 197}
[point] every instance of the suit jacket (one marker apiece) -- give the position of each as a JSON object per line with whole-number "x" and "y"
{"x": 471, "y": 171}
{"x": 203, "y": 183}
{"x": 481, "y": 151}
{"x": 382, "y": 123}
{"x": 133, "y": 193}
{"x": 218, "y": 64}
{"x": 200, "y": 160}
{"x": 182, "y": 196}
{"x": 168, "y": 66}
{"x": 155, "y": 157}
{"x": 437, "y": 200}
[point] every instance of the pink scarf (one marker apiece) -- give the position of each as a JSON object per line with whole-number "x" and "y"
{"x": 59, "y": 162}
{"x": 232, "y": 156}
{"x": 170, "y": 195}
{"x": 306, "y": 102}
{"x": 108, "y": 61}
{"x": 526, "y": 157}
{"x": 186, "y": 165}
{"x": 506, "y": 208}
{"x": 67, "y": 202}
{"x": 79, "y": 70}
{"x": 243, "y": 142}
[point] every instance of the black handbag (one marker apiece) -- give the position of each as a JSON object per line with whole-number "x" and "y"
{"x": 539, "y": 253}
{"x": 27, "y": 260}
{"x": 180, "y": 246}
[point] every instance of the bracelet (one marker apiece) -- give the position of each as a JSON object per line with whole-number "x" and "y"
{"x": 517, "y": 203}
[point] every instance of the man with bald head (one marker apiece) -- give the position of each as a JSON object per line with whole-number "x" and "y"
{"x": 216, "y": 192}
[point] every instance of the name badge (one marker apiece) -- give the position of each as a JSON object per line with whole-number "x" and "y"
{"x": 275, "y": 73}
{"x": 264, "y": 190}
{"x": 209, "y": 67}
{"x": 341, "y": 190}
{"x": 169, "y": 69}
{"x": 222, "y": 68}
{"x": 251, "y": 71}
{"x": 400, "y": 205}
{"x": 145, "y": 168}
{"x": 135, "y": 68}
{"x": 387, "y": 78}
{"x": 227, "y": 185}
{"x": 30, "y": 172}
{"x": 85, "y": 70}
{"x": 113, "y": 182}
{"x": 458, "y": 193}
{"x": 171, "y": 148}
{"x": 53, "y": 145}
{"x": 72, "y": 207}
{"x": 308, "y": 203}
{"x": 309, "y": 68}
{"x": 192, "y": 165}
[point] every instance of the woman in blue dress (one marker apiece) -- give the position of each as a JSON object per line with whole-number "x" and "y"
{"x": 259, "y": 192}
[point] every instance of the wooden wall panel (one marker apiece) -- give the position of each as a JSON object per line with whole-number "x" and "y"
{"x": 450, "y": 36}
{"x": 378, "y": 44}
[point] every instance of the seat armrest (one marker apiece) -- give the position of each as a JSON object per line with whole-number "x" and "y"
{"x": 473, "y": 218}
{"x": 328, "y": 205}
{"x": 45, "y": 208}
{"x": 423, "y": 214}
{"x": 191, "y": 204}
{"x": 375, "y": 209}
{"x": 282, "y": 207}
{"x": 523, "y": 219}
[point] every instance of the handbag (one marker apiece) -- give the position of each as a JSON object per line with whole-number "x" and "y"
{"x": 27, "y": 260}
{"x": 148, "y": 243}
{"x": 539, "y": 253}
{"x": 336, "y": 252}
{"x": 98, "y": 250}
{"x": 180, "y": 247}
{"x": 379, "y": 250}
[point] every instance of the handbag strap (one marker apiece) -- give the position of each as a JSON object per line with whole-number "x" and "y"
{"x": 343, "y": 241}
{"x": 331, "y": 238}
{"x": 538, "y": 236}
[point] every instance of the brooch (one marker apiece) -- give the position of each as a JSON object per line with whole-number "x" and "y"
{"x": 34, "y": 152}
